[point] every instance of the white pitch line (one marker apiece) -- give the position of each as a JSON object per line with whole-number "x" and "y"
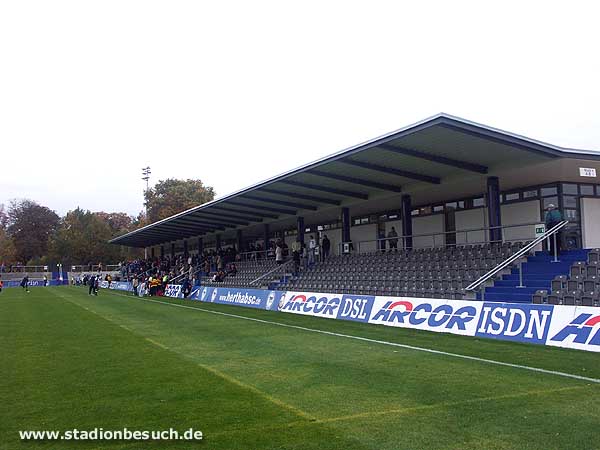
{"x": 376, "y": 341}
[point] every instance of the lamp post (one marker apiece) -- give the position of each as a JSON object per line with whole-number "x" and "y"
{"x": 146, "y": 176}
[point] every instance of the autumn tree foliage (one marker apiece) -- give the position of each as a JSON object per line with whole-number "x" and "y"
{"x": 172, "y": 196}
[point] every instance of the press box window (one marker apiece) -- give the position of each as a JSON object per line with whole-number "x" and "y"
{"x": 478, "y": 202}
{"x": 569, "y": 189}
{"x": 546, "y": 191}
{"x": 571, "y": 214}
{"x": 569, "y": 201}
{"x": 586, "y": 189}
{"x": 530, "y": 194}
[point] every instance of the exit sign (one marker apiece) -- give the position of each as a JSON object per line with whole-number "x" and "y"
{"x": 587, "y": 172}
{"x": 540, "y": 229}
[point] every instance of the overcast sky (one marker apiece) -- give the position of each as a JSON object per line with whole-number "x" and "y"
{"x": 233, "y": 92}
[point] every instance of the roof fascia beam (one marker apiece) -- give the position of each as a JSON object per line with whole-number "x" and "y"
{"x": 281, "y": 202}
{"x": 392, "y": 171}
{"x": 266, "y": 208}
{"x": 478, "y": 168}
{"x": 241, "y": 211}
{"x": 315, "y": 187}
{"x": 373, "y": 184}
{"x": 302, "y": 196}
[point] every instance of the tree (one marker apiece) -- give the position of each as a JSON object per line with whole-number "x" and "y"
{"x": 7, "y": 248}
{"x": 172, "y": 196}
{"x": 83, "y": 236}
{"x": 3, "y": 217}
{"x": 30, "y": 226}
{"x": 119, "y": 223}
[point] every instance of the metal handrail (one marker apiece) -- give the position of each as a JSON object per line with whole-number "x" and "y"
{"x": 466, "y": 231}
{"x": 516, "y": 256}
{"x": 272, "y": 271}
{"x": 244, "y": 256}
{"x": 181, "y": 275}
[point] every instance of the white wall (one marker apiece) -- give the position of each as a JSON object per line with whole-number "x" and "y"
{"x": 590, "y": 222}
{"x": 364, "y": 233}
{"x": 515, "y": 213}
{"x": 426, "y": 225}
{"x": 469, "y": 219}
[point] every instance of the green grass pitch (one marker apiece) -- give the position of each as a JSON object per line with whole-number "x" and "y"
{"x": 69, "y": 361}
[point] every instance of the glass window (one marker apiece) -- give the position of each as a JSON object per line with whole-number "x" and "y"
{"x": 356, "y": 221}
{"x": 586, "y": 189}
{"x": 425, "y": 210}
{"x": 545, "y": 191}
{"x": 414, "y": 212}
{"x": 461, "y": 204}
{"x": 438, "y": 208}
{"x": 530, "y": 194}
{"x": 569, "y": 201}
{"x": 571, "y": 214}
{"x": 570, "y": 189}
{"x": 511, "y": 197}
{"x": 364, "y": 220}
{"x": 550, "y": 200}
{"x": 393, "y": 216}
{"x": 478, "y": 202}
{"x": 452, "y": 205}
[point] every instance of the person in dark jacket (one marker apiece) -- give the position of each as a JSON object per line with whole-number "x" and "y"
{"x": 553, "y": 218}
{"x": 25, "y": 283}
{"x": 326, "y": 246}
{"x": 91, "y": 284}
{"x": 186, "y": 287}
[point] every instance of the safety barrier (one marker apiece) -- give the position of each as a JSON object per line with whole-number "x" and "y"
{"x": 34, "y": 283}
{"x": 576, "y": 327}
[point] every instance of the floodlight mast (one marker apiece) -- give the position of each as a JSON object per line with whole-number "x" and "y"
{"x": 146, "y": 176}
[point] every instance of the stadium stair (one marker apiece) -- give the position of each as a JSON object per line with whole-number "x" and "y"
{"x": 538, "y": 273}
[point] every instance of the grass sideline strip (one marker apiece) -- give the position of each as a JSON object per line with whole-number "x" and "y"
{"x": 376, "y": 341}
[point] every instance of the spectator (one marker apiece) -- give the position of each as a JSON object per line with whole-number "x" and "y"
{"x": 219, "y": 276}
{"x": 186, "y": 287}
{"x": 135, "y": 285}
{"x": 279, "y": 253}
{"x": 326, "y": 246}
{"x": 296, "y": 248}
{"x": 553, "y": 218}
{"x": 381, "y": 240}
{"x": 232, "y": 270}
{"x": 312, "y": 245}
{"x": 91, "y": 284}
{"x": 393, "y": 239}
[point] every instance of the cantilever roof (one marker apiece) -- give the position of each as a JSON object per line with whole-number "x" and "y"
{"x": 426, "y": 152}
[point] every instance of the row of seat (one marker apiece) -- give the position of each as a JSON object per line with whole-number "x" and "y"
{"x": 396, "y": 291}
{"x": 572, "y": 298}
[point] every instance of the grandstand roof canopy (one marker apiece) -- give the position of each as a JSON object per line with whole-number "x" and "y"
{"x": 425, "y": 153}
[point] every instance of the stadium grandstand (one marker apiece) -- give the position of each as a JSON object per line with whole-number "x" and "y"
{"x": 444, "y": 208}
